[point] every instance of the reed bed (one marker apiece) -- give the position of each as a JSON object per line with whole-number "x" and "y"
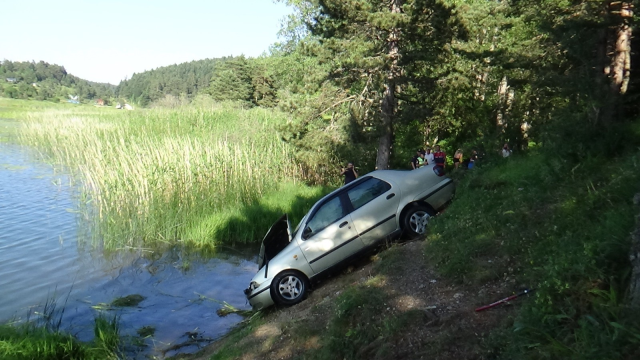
{"x": 161, "y": 176}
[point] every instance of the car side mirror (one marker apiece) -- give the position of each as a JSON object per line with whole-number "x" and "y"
{"x": 306, "y": 233}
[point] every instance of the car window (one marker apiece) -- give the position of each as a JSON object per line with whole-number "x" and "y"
{"x": 367, "y": 191}
{"x": 327, "y": 214}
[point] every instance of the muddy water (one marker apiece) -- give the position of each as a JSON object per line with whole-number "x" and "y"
{"x": 42, "y": 256}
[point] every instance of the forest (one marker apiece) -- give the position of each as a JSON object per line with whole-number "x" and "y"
{"x": 44, "y": 81}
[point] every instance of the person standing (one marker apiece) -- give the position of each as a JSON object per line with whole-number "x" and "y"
{"x": 439, "y": 156}
{"x": 421, "y": 160}
{"x": 472, "y": 159}
{"x": 414, "y": 160}
{"x": 506, "y": 151}
{"x": 428, "y": 157}
{"x": 349, "y": 173}
{"x": 457, "y": 158}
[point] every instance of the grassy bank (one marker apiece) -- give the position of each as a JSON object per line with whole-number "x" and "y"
{"x": 540, "y": 221}
{"x": 47, "y": 342}
{"x": 197, "y": 175}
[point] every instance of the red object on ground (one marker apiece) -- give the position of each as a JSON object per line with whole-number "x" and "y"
{"x": 507, "y": 299}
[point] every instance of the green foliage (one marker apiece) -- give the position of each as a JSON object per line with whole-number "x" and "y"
{"x": 44, "y": 81}
{"x": 43, "y": 339}
{"x": 106, "y": 335}
{"x": 231, "y": 81}
{"x": 186, "y": 79}
{"x": 238, "y": 79}
{"x": 27, "y": 342}
{"x": 555, "y": 225}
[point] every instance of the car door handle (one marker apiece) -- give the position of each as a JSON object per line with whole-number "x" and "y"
{"x": 390, "y": 196}
{"x": 344, "y": 224}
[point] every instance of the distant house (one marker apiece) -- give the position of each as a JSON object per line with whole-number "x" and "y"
{"x": 128, "y": 107}
{"x": 100, "y": 102}
{"x": 73, "y": 101}
{"x": 12, "y": 80}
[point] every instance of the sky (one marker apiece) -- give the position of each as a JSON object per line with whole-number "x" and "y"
{"x": 108, "y": 41}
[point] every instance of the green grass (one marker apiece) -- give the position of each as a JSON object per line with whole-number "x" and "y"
{"x": 358, "y": 320}
{"x": 559, "y": 227}
{"x": 199, "y": 176}
{"x": 38, "y": 341}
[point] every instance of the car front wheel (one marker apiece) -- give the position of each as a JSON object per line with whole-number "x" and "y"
{"x": 289, "y": 287}
{"x": 416, "y": 220}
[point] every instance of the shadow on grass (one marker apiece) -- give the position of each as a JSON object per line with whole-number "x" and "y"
{"x": 248, "y": 224}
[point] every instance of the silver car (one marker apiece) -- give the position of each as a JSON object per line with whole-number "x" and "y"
{"x": 343, "y": 225}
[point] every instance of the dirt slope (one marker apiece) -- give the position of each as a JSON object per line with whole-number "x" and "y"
{"x": 444, "y": 324}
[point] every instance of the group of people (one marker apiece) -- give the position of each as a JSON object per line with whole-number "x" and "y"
{"x": 427, "y": 157}
{"x": 437, "y": 157}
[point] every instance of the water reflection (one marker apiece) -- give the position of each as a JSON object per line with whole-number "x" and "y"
{"x": 41, "y": 257}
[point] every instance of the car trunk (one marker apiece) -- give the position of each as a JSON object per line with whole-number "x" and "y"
{"x": 276, "y": 239}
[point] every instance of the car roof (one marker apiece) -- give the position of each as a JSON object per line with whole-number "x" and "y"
{"x": 399, "y": 177}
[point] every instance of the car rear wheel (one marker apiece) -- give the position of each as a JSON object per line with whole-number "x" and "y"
{"x": 289, "y": 287}
{"x": 416, "y": 220}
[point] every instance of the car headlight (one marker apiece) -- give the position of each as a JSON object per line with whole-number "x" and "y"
{"x": 253, "y": 285}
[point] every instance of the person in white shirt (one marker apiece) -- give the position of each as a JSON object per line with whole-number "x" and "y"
{"x": 428, "y": 157}
{"x": 506, "y": 151}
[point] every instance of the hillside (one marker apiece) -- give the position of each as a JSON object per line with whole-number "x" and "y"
{"x": 44, "y": 81}
{"x": 186, "y": 79}
{"x": 238, "y": 79}
{"x": 390, "y": 306}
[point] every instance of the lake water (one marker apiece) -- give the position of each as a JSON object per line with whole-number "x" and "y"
{"x": 42, "y": 256}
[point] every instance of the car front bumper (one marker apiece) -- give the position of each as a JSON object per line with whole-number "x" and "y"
{"x": 259, "y": 298}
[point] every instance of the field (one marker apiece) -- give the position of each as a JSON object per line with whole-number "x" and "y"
{"x": 200, "y": 176}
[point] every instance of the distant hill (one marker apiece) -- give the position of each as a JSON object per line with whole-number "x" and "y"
{"x": 188, "y": 79}
{"x": 44, "y": 81}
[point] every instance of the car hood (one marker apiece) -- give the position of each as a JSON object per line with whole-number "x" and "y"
{"x": 276, "y": 239}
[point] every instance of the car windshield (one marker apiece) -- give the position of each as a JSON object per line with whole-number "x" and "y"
{"x": 298, "y": 226}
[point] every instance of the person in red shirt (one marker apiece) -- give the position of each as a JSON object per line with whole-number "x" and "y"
{"x": 439, "y": 156}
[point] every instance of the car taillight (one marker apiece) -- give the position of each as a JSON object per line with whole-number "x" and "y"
{"x": 438, "y": 170}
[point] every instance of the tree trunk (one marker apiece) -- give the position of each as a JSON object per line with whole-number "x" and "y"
{"x": 388, "y": 107}
{"x": 621, "y": 57}
{"x": 503, "y": 95}
{"x": 617, "y": 57}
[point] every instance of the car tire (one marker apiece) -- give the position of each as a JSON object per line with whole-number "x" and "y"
{"x": 289, "y": 288}
{"x": 416, "y": 219}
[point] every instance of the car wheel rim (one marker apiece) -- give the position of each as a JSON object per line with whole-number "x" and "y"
{"x": 290, "y": 287}
{"x": 419, "y": 221}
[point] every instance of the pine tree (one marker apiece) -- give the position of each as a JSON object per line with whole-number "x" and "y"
{"x": 231, "y": 80}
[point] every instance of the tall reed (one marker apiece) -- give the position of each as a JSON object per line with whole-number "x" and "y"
{"x": 148, "y": 174}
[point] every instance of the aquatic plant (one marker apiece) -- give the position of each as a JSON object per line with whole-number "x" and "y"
{"x": 129, "y": 300}
{"x": 41, "y": 337}
{"x": 190, "y": 175}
